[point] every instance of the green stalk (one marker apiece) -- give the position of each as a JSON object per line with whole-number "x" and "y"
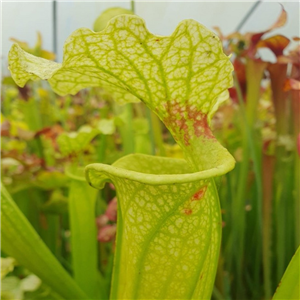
{"x": 296, "y": 131}
{"x": 132, "y": 6}
{"x": 102, "y": 139}
{"x": 151, "y": 130}
{"x": 217, "y": 295}
{"x": 28, "y": 204}
{"x": 267, "y": 169}
{"x": 229, "y": 207}
{"x": 157, "y": 133}
{"x": 278, "y": 76}
{"x": 297, "y": 199}
{"x": 32, "y": 118}
{"x": 50, "y": 231}
{"x": 48, "y": 223}
{"x": 239, "y": 215}
{"x": 82, "y": 200}
{"x": 219, "y": 282}
{"x": 126, "y": 130}
{"x": 109, "y": 270}
{"x": 254, "y": 71}
{"x": 101, "y": 147}
{"x": 31, "y": 113}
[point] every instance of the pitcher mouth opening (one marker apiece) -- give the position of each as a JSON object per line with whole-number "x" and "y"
{"x": 154, "y": 170}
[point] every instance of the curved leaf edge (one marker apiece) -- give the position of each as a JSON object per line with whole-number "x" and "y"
{"x": 102, "y": 171}
{"x": 25, "y": 63}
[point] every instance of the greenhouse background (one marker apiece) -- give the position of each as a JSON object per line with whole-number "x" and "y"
{"x": 156, "y": 161}
{"x": 22, "y": 19}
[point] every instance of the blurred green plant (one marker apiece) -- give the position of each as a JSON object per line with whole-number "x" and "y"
{"x": 264, "y": 184}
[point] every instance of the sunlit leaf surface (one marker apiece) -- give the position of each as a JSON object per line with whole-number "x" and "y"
{"x": 127, "y": 57}
{"x": 183, "y": 78}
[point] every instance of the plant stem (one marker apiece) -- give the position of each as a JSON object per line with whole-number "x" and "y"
{"x": 254, "y": 71}
{"x": 296, "y": 132}
{"x": 278, "y": 76}
{"x": 101, "y": 147}
{"x": 82, "y": 199}
{"x": 127, "y": 130}
{"x": 151, "y": 130}
{"x": 157, "y": 132}
{"x": 132, "y": 6}
{"x": 267, "y": 168}
{"x": 49, "y": 232}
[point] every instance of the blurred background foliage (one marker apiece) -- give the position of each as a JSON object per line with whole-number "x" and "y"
{"x": 44, "y": 135}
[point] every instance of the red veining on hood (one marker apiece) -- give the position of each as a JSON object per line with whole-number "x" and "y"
{"x": 201, "y": 127}
{"x": 185, "y": 119}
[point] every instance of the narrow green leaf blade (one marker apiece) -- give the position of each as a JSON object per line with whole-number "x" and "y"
{"x": 82, "y": 201}
{"x": 289, "y": 288}
{"x": 21, "y": 241}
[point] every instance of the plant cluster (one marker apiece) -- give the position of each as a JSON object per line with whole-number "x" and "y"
{"x": 153, "y": 229}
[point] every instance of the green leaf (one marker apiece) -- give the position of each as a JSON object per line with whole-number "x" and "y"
{"x": 9, "y": 81}
{"x": 51, "y": 180}
{"x": 7, "y": 265}
{"x": 21, "y": 241}
{"x": 183, "y": 78}
{"x": 107, "y": 15}
{"x": 141, "y": 137}
{"x": 141, "y": 126}
{"x": 22, "y": 60}
{"x": 187, "y": 66}
{"x": 75, "y": 142}
{"x": 289, "y": 287}
{"x": 57, "y": 204}
{"x": 107, "y": 126}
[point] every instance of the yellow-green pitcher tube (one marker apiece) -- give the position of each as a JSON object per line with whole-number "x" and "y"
{"x": 169, "y": 227}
